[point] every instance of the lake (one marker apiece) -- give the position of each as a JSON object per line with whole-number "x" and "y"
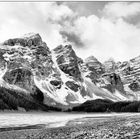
{"x": 16, "y": 119}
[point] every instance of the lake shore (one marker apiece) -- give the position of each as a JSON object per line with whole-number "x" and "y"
{"x": 121, "y": 126}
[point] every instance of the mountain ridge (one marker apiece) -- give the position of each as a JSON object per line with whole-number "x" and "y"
{"x": 59, "y": 78}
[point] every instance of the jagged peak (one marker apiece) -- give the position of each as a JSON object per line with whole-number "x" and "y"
{"x": 135, "y": 59}
{"x": 68, "y": 46}
{"x": 91, "y": 58}
{"x": 63, "y": 47}
{"x": 59, "y": 74}
{"x": 32, "y": 36}
{"x": 110, "y": 60}
{"x": 25, "y": 40}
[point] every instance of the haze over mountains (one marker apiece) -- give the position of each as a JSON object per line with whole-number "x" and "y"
{"x": 33, "y": 77}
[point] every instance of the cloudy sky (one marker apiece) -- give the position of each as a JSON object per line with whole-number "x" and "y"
{"x": 101, "y": 29}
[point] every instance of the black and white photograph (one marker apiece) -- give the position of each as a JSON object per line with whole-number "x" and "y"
{"x": 70, "y": 70}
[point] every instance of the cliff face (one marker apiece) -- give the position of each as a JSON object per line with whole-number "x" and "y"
{"x": 23, "y": 60}
{"x": 94, "y": 65}
{"x": 129, "y": 72}
{"x": 110, "y": 65}
{"x": 104, "y": 75}
{"x": 112, "y": 82}
{"x": 50, "y": 77}
{"x": 67, "y": 60}
{"x": 58, "y": 77}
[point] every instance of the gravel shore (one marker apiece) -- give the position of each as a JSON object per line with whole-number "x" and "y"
{"x": 127, "y": 127}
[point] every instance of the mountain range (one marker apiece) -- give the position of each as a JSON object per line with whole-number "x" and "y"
{"x": 33, "y": 77}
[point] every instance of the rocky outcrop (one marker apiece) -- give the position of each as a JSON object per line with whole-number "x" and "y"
{"x": 129, "y": 72}
{"x": 56, "y": 83}
{"x": 110, "y": 65}
{"x": 135, "y": 86}
{"x": 124, "y": 70}
{"x": 73, "y": 86}
{"x": 92, "y": 68}
{"x": 30, "y": 39}
{"x": 67, "y": 60}
{"x": 112, "y": 82}
{"x": 20, "y": 77}
{"x": 94, "y": 65}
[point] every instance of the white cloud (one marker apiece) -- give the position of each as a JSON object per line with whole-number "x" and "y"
{"x": 105, "y": 38}
{"x": 122, "y": 9}
{"x": 98, "y": 36}
{"x": 17, "y": 19}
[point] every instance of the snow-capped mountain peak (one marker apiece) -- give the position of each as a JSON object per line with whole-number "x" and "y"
{"x": 56, "y": 77}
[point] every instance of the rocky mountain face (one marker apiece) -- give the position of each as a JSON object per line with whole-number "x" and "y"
{"x": 110, "y": 65}
{"x": 129, "y": 72}
{"x": 59, "y": 78}
{"x": 93, "y": 68}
